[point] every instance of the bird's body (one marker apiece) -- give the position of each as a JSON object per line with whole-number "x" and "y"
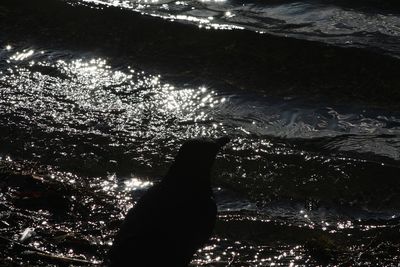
{"x": 173, "y": 218}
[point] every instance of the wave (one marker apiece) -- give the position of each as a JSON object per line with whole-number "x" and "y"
{"x": 236, "y": 59}
{"x": 368, "y": 24}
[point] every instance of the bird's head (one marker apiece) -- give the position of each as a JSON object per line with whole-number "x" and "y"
{"x": 195, "y": 159}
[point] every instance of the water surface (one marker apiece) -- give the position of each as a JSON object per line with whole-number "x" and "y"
{"x": 302, "y": 182}
{"x": 368, "y": 24}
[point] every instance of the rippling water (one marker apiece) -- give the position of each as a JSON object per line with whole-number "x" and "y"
{"x": 302, "y": 183}
{"x": 371, "y": 24}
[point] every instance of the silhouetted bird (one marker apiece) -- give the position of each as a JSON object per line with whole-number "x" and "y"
{"x": 175, "y": 217}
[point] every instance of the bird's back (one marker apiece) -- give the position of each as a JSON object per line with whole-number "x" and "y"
{"x": 174, "y": 218}
{"x": 166, "y": 226}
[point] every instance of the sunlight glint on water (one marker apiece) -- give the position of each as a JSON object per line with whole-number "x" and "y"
{"x": 103, "y": 134}
{"x": 335, "y": 22}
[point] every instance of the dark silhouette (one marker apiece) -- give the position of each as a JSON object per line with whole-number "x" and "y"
{"x": 175, "y": 217}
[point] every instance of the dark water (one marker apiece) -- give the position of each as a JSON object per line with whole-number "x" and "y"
{"x": 306, "y": 181}
{"x": 370, "y": 24}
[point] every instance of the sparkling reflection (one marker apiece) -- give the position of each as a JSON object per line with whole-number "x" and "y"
{"x": 95, "y": 136}
{"x": 136, "y": 184}
{"x": 340, "y": 24}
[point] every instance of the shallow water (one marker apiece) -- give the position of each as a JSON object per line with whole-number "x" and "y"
{"x": 370, "y": 24}
{"x": 302, "y": 183}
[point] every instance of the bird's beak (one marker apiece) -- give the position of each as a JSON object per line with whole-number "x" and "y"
{"x": 222, "y": 141}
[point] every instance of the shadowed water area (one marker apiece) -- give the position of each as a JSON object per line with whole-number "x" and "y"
{"x": 306, "y": 180}
{"x": 369, "y": 23}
